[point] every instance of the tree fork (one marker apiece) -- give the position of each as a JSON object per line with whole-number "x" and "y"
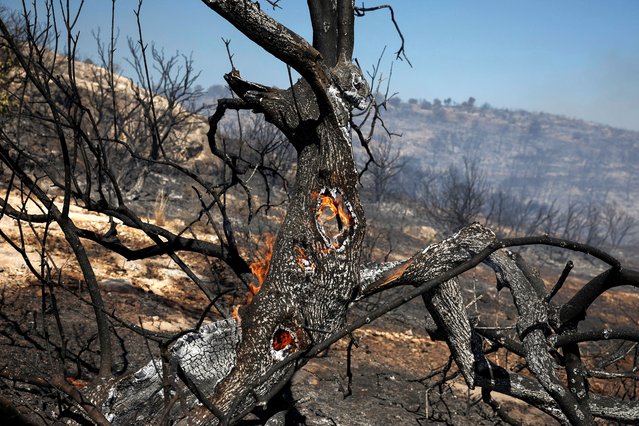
{"x": 314, "y": 272}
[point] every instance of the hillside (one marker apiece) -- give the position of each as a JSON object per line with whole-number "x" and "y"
{"x": 538, "y": 154}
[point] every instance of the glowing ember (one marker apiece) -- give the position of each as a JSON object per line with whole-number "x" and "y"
{"x": 77, "y": 382}
{"x": 282, "y": 339}
{"x": 259, "y": 268}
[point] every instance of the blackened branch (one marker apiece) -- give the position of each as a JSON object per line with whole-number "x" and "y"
{"x": 575, "y": 308}
{"x": 175, "y": 243}
{"x": 222, "y": 106}
{"x": 401, "y": 53}
{"x": 561, "y": 280}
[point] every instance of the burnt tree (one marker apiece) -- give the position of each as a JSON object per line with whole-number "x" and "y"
{"x": 314, "y": 272}
{"x": 220, "y": 371}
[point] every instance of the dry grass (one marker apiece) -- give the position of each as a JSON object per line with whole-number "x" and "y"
{"x": 159, "y": 210}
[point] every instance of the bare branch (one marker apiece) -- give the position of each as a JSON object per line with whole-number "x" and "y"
{"x": 401, "y": 53}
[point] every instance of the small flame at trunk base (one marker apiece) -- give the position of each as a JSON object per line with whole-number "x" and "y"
{"x": 260, "y": 267}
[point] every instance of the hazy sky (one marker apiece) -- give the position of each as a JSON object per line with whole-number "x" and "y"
{"x": 577, "y": 58}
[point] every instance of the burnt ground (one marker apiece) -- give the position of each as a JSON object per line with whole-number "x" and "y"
{"x": 396, "y": 367}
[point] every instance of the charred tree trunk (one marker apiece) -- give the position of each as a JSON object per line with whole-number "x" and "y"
{"x": 314, "y": 271}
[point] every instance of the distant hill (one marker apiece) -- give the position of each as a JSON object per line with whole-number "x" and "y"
{"x": 540, "y": 155}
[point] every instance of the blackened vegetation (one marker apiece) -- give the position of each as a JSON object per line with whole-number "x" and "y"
{"x": 230, "y": 363}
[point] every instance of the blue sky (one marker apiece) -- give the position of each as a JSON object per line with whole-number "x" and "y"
{"x": 576, "y": 58}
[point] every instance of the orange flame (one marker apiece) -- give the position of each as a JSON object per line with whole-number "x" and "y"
{"x": 331, "y": 208}
{"x": 236, "y": 313}
{"x": 260, "y": 267}
{"x": 334, "y": 219}
{"x": 303, "y": 261}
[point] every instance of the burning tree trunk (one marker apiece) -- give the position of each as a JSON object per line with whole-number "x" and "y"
{"x": 314, "y": 271}
{"x": 315, "y": 265}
